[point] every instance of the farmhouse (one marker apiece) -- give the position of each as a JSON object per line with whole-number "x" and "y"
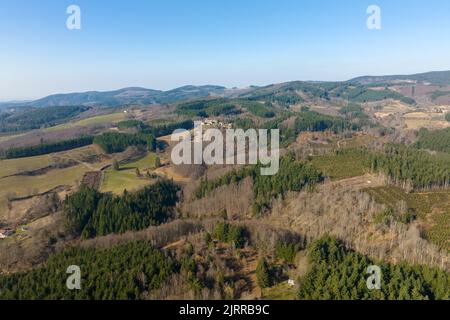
{"x": 216, "y": 123}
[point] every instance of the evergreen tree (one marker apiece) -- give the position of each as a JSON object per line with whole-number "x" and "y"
{"x": 46, "y": 148}
{"x": 263, "y": 274}
{"x": 338, "y": 273}
{"x": 90, "y": 213}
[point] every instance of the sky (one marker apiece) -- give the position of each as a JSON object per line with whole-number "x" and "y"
{"x": 163, "y": 44}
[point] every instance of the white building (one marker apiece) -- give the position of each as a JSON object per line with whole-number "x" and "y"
{"x": 5, "y": 233}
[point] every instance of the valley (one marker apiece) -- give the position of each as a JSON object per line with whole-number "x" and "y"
{"x": 364, "y": 178}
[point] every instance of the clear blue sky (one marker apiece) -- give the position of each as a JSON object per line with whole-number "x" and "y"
{"x": 168, "y": 43}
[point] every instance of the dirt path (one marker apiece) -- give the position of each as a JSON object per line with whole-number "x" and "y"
{"x": 169, "y": 172}
{"x": 84, "y": 164}
{"x": 361, "y": 182}
{"x": 177, "y": 244}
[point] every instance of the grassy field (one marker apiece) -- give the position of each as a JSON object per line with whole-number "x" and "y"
{"x": 9, "y": 137}
{"x": 432, "y": 208}
{"x": 14, "y": 166}
{"x": 341, "y": 166}
{"x": 417, "y": 120}
{"x": 115, "y": 181}
{"x": 280, "y": 291}
{"x": 84, "y": 154}
{"x": 424, "y": 123}
{"x": 108, "y": 118}
{"x": 126, "y": 178}
{"x": 145, "y": 163}
{"x": 22, "y": 186}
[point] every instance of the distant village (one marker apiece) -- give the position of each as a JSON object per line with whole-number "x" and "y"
{"x": 216, "y": 123}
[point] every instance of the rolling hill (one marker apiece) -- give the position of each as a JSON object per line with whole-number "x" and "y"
{"x": 133, "y": 95}
{"x": 283, "y": 93}
{"x": 434, "y": 77}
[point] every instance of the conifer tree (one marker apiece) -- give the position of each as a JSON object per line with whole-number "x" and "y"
{"x": 263, "y": 274}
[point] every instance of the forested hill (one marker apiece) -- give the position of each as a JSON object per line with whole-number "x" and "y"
{"x": 139, "y": 96}
{"x": 283, "y": 93}
{"x": 435, "y": 77}
{"x": 33, "y": 118}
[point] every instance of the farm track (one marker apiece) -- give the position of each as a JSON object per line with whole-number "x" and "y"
{"x": 358, "y": 183}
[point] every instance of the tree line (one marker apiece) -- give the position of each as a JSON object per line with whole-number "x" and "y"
{"x": 35, "y": 118}
{"x": 438, "y": 140}
{"x": 46, "y": 148}
{"x": 114, "y": 142}
{"x": 315, "y": 122}
{"x": 362, "y": 94}
{"x": 406, "y": 166}
{"x": 158, "y": 130}
{"x": 89, "y": 213}
{"x": 132, "y": 123}
{"x": 169, "y": 128}
{"x": 206, "y": 108}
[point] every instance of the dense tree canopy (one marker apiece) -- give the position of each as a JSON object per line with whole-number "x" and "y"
{"x": 337, "y": 273}
{"x": 132, "y": 123}
{"x": 419, "y": 168}
{"x": 361, "y": 94}
{"x": 314, "y": 122}
{"x": 36, "y": 118}
{"x": 353, "y": 110}
{"x": 292, "y": 176}
{"x": 123, "y": 272}
{"x": 168, "y": 128}
{"x": 45, "y": 148}
{"x": 206, "y": 108}
{"x": 438, "y": 140}
{"x": 90, "y": 213}
{"x": 113, "y": 142}
{"x": 262, "y": 110}
{"x": 236, "y": 235}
